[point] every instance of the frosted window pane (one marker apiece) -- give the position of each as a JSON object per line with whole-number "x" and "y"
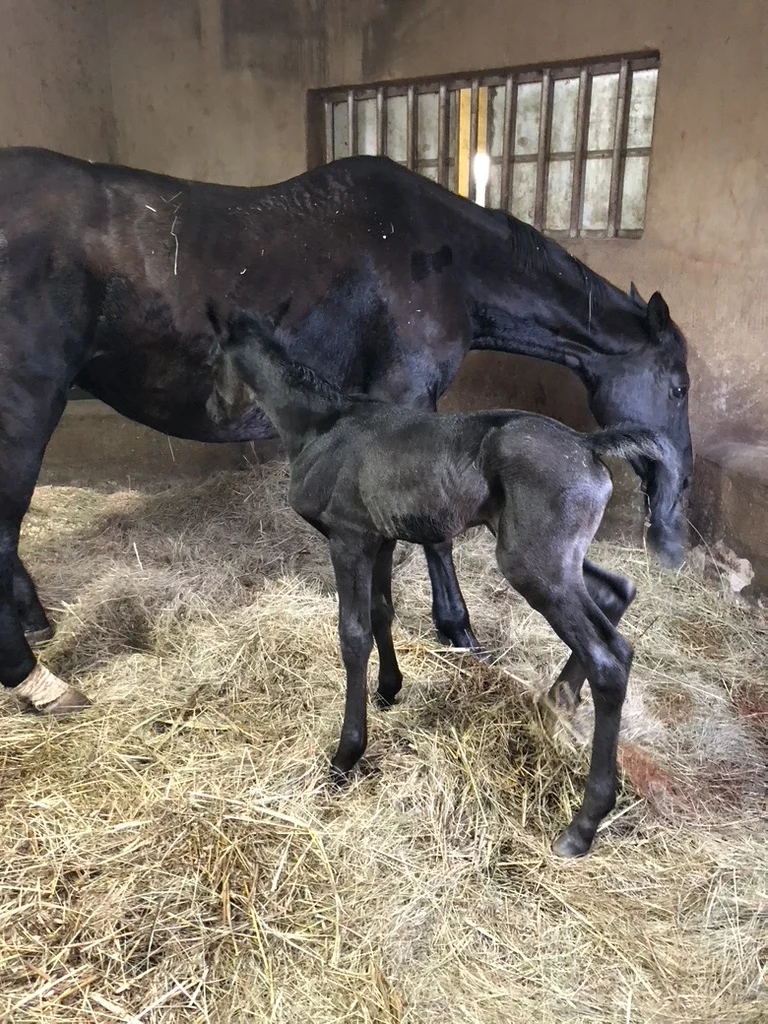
{"x": 524, "y": 191}
{"x": 559, "y": 186}
{"x": 602, "y": 112}
{"x": 340, "y": 129}
{"x": 366, "y": 126}
{"x": 634, "y": 193}
{"x": 397, "y": 116}
{"x": 527, "y": 120}
{"x": 493, "y": 192}
{"x": 565, "y": 99}
{"x": 426, "y": 126}
{"x": 428, "y": 172}
{"x": 496, "y": 121}
{"x": 597, "y": 193}
{"x": 641, "y": 107}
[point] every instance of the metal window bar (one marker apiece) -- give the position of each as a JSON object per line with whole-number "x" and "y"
{"x": 619, "y": 151}
{"x": 510, "y": 113}
{"x": 443, "y": 134}
{"x": 580, "y": 144}
{"x": 509, "y": 81}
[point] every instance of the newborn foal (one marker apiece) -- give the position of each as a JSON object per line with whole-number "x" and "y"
{"x": 367, "y": 474}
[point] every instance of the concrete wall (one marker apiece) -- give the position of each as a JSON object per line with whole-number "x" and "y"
{"x": 55, "y": 88}
{"x": 215, "y": 89}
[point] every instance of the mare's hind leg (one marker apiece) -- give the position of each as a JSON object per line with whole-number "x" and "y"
{"x": 29, "y": 411}
{"x": 382, "y": 614}
{"x": 613, "y": 595}
{"x": 35, "y": 622}
{"x": 449, "y": 609}
{"x": 575, "y": 617}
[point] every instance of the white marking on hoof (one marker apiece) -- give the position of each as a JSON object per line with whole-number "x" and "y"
{"x": 44, "y": 692}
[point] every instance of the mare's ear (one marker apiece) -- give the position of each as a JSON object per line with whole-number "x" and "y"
{"x": 635, "y": 295}
{"x": 658, "y": 314}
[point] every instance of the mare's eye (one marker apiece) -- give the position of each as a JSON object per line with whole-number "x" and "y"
{"x": 678, "y": 391}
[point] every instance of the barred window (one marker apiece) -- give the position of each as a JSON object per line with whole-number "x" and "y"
{"x": 566, "y": 148}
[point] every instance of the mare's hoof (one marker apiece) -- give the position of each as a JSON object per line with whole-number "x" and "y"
{"x": 70, "y": 703}
{"x": 39, "y": 636}
{"x": 45, "y": 694}
{"x": 466, "y": 641}
{"x": 571, "y": 845}
{"x": 383, "y": 701}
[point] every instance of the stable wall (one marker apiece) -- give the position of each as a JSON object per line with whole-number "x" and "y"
{"x": 55, "y": 88}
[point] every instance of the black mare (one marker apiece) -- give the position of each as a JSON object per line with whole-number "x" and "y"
{"x": 383, "y": 281}
{"x": 367, "y": 474}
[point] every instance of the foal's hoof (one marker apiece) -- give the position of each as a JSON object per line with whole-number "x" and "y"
{"x": 571, "y": 845}
{"x": 39, "y": 636}
{"x": 562, "y": 698}
{"x": 383, "y": 701}
{"x": 338, "y": 779}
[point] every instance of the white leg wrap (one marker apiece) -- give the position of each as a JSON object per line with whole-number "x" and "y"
{"x": 40, "y": 688}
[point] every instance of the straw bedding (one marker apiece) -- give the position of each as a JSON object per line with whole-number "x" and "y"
{"x": 173, "y": 855}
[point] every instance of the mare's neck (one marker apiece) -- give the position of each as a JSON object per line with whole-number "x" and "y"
{"x": 532, "y": 298}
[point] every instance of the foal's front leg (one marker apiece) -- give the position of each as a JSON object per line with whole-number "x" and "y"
{"x": 353, "y": 559}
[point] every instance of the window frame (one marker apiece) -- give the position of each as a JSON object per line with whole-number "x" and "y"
{"x": 320, "y": 101}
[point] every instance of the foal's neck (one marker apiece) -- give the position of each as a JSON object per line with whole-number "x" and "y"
{"x": 299, "y": 403}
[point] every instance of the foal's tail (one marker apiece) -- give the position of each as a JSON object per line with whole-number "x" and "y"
{"x": 656, "y": 461}
{"x": 631, "y": 444}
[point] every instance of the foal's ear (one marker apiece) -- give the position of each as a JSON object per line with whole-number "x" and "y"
{"x": 658, "y": 314}
{"x": 635, "y": 295}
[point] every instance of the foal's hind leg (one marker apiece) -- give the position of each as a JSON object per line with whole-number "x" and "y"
{"x": 613, "y": 595}
{"x": 35, "y": 622}
{"x": 382, "y": 614}
{"x": 577, "y": 620}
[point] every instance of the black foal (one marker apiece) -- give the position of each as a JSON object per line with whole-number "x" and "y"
{"x": 367, "y": 474}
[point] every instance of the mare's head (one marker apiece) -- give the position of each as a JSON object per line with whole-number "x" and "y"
{"x": 648, "y": 385}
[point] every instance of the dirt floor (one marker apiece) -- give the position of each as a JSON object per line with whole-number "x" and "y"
{"x": 174, "y": 855}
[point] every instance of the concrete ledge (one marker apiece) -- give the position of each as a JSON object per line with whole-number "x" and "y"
{"x": 729, "y": 506}
{"x": 94, "y": 446}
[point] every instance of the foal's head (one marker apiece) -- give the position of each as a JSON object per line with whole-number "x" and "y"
{"x": 240, "y": 333}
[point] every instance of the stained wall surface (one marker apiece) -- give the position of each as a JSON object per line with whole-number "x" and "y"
{"x": 55, "y": 87}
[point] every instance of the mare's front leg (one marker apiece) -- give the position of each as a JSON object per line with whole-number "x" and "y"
{"x": 449, "y": 609}
{"x": 353, "y": 558}
{"x": 382, "y": 614}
